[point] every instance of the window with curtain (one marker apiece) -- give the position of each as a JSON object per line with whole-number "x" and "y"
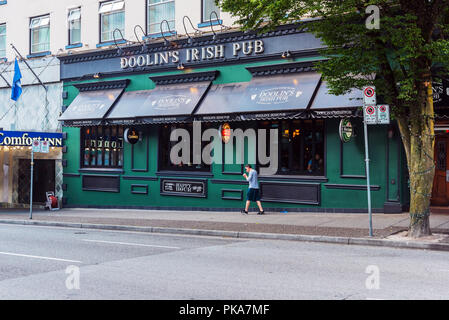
{"x": 102, "y": 147}
{"x": 158, "y": 11}
{"x": 208, "y": 7}
{"x": 74, "y": 20}
{"x": 2, "y": 40}
{"x": 112, "y": 17}
{"x": 40, "y": 34}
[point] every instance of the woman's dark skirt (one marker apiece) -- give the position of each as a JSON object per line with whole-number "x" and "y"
{"x": 253, "y": 195}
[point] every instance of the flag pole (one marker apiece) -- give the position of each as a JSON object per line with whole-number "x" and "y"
{"x": 24, "y": 60}
{"x": 1, "y": 75}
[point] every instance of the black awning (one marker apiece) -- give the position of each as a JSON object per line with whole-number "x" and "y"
{"x": 325, "y": 100}
{"x": 90, "y": 107}
{"x": 166, "y": 103}
{"x": 271, "y": 97}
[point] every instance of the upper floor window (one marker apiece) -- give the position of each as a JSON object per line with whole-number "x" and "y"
{"x": 2, "y": 40}
{"x": 74, "y": 20}
{"x": 208, "y": 7}
{"x": 158, "y": 11}
{"x": 112, "y": 17}
{"x": 40, "y": 34}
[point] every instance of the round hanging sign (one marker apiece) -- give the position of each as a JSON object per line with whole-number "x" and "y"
{"x": 132, "y": 136}
{"x": 346, "y": 130}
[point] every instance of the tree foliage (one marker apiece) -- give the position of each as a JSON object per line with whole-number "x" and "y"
{"x": 408, "y": 50}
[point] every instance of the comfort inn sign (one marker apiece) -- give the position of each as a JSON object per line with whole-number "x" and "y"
{"x": 20, "y": 138}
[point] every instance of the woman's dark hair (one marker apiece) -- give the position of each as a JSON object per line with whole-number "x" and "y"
{"x": 248, "y": 166}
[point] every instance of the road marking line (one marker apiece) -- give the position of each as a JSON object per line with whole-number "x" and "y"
{"x": 131, "y": 244}
{"x": 38, "y": 257}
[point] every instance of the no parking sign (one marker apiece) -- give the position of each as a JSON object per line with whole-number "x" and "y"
{"x": 383, "y": 116}
{"x": 369, "y": 96}
{"x": 370, "y": 114}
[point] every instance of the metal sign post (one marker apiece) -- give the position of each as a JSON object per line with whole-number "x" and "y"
{"x": 370, "y": 112}
{"x": 368, "y": 184}
{"x": 35, "y": 147}
{"x": 31, "y": 186}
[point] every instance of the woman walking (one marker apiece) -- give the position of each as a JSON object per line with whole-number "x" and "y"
{"x": 253, "y": 191}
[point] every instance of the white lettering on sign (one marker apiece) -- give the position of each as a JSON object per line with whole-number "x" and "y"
{"x": 276, "y": 95}
{"x": 245, "y": 48}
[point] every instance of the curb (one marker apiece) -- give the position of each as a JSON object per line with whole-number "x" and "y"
{"x": 239, "y": 235}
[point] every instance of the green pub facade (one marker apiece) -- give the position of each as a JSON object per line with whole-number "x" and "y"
{"x": 122, "y": 105}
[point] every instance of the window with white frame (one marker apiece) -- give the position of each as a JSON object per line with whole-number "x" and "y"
{"x": 74, "y": 20}
{"x": 40, "y": 34}
{"x": 2, "y": 41}
{"x": 208, "y": 7}
{"x": 112, "y": 17}
{"x": 158, "y": 11}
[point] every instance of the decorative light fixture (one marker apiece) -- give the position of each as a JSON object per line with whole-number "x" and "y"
{"x": 219, "y": 22}
{"x": 181, "y": 66}
{"x": 119, "y": 50}
{"x": 197, "y": 32}
{"x": 169, "y": 31}
{"x": 97, "y": 75}
{"x": 144, "y": 42}
{"x": 286, "y": 54}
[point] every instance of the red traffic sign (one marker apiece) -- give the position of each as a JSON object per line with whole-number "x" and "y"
{"x": 370, "y": 110}
{"x": 369, "y": 96}
{"x": 369, "y": 92}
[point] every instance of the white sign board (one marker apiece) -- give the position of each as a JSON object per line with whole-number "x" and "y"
{"x": 383, "y": 114}
{"x": 369, "y": 96}
{"x": 45, "y": 147}
{"x": 370, "y": 114}
{"x": 36, "y": 146}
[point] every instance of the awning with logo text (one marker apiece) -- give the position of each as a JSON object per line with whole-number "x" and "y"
{"x": 164, "y": 104}
{"x": 93, "y": 102}
{"x": 271, "y": 97}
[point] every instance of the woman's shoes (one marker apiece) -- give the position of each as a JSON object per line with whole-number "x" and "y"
{"x": 246, "y": 212}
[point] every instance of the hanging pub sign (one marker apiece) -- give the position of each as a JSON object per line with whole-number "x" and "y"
{"x": 225, "y": 132}
{"x": 132, "y": 136}
{"x": 346, "y": 130}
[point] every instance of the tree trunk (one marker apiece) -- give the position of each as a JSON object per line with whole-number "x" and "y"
{"x": 421, "y": 165}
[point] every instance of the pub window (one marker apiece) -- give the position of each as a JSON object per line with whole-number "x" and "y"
{"x": 165, "y": 147}
{"x": 74, "y": 20}
{"x": 209, "y": 6}
{"x": 40, "y": 34}
{"x": 158, "y": 11}
{"x": 300, "y": 146}
{"x": 102, "y": 147}
{"x": 112, "y": 16}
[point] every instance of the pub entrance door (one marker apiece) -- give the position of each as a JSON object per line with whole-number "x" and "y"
{"x": 43, "y": 180}
{"x": 440, "y": 191}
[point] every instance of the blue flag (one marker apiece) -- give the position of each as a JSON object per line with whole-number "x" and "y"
{"x": 16, "y": 83}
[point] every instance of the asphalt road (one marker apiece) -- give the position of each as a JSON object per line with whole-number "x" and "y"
{"x": 61, "y": 263}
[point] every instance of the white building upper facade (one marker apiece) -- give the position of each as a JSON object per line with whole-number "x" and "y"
{"x": 41, "y": 28}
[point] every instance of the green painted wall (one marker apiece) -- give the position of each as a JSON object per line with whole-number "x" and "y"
{"x": 331, "y": 197}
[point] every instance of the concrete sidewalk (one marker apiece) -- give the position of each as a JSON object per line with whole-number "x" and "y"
{"x": 327, "y": 227}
